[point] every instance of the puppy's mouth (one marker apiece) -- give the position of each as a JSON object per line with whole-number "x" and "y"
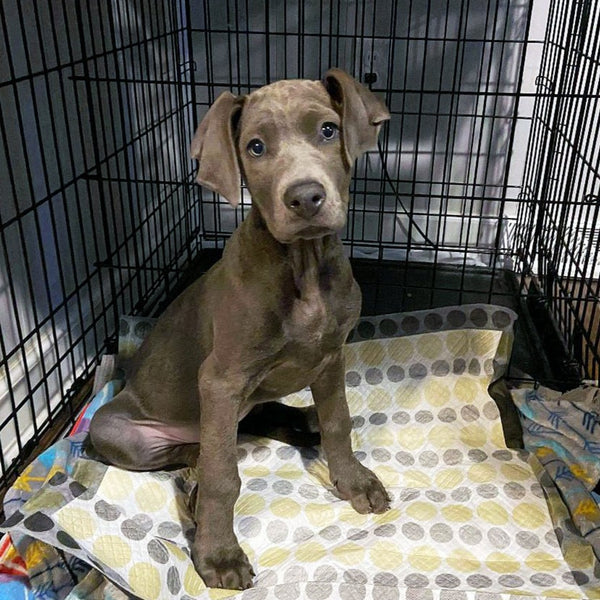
{"x": 310, "y": 232}
{"x": 314, "y": 231}
{"x": 319, "y": 227}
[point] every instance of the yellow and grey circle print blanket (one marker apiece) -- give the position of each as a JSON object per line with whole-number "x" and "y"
{"x": 470, "y": 519}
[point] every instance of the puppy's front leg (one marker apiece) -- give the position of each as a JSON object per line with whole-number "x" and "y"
{"x": 216, "y": 553}
{"x": 353, "y": 481}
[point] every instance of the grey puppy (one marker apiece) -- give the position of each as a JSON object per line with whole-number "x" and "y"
{"x": 269, "y": 319}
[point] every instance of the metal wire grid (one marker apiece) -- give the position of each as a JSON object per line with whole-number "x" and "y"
{"x": 95, "y": 117}
{"x": 449, "y": 71}
{"x": 557, "y": 240}
{"x": 96, "y": 112}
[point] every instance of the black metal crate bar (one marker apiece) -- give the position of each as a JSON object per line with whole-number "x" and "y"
{"x": 485, "y": 186}
{"x": 433, "y": 212}
{"x": 558, "y": 243}
{"x": 96, "y": 214}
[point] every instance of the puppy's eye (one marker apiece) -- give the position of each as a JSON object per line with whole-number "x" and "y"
{"x": 329, "y": 130}
{"x": 256, "y": 148}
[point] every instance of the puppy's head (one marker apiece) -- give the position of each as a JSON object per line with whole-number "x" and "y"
{"x": 295, "y": 143}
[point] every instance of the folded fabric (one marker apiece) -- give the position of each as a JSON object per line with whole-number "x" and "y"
{"x": 567, "y": 423}
{"x": 562, "y": 430}
{"x": 51, "y": 573}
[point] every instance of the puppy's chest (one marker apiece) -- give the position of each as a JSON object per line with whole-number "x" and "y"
{"x": 312, "y": 321}
{"x": 321, "y": 298}
{"x": 320, "y": 316}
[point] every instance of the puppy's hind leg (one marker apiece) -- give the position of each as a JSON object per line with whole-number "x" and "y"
{"x": 121, "y": 437}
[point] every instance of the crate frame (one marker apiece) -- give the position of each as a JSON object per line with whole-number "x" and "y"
{"x": 104, "y": 217}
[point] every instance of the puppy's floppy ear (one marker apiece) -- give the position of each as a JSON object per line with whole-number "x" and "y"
{"x": 362, "y": 112}
{"x": 214, "y": 147}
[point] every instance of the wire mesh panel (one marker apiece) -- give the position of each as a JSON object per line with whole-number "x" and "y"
{"x": 558, "y": 235}
{"x": 450, "y": 73}
{"x": 95, "y": 210}
{"x": 99, "y": 215}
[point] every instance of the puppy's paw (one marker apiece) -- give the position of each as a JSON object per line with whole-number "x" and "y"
{"x": 223, "y": 567}
{"x": 364, "y": 491}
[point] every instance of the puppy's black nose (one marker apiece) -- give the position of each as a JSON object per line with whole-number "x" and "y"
{"x": 305, "y": 198}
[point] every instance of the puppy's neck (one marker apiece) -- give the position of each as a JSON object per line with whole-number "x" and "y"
{"x": 306, "y": 259}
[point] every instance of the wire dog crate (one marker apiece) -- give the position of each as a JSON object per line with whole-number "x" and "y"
{"x": 486, "y": 186}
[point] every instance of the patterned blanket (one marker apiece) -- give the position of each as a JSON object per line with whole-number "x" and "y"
{"x": 562, "y": 430}
{"x": 469, "y": 519}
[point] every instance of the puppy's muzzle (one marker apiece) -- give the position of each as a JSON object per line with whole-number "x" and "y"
{"x": 305, "y": 198}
